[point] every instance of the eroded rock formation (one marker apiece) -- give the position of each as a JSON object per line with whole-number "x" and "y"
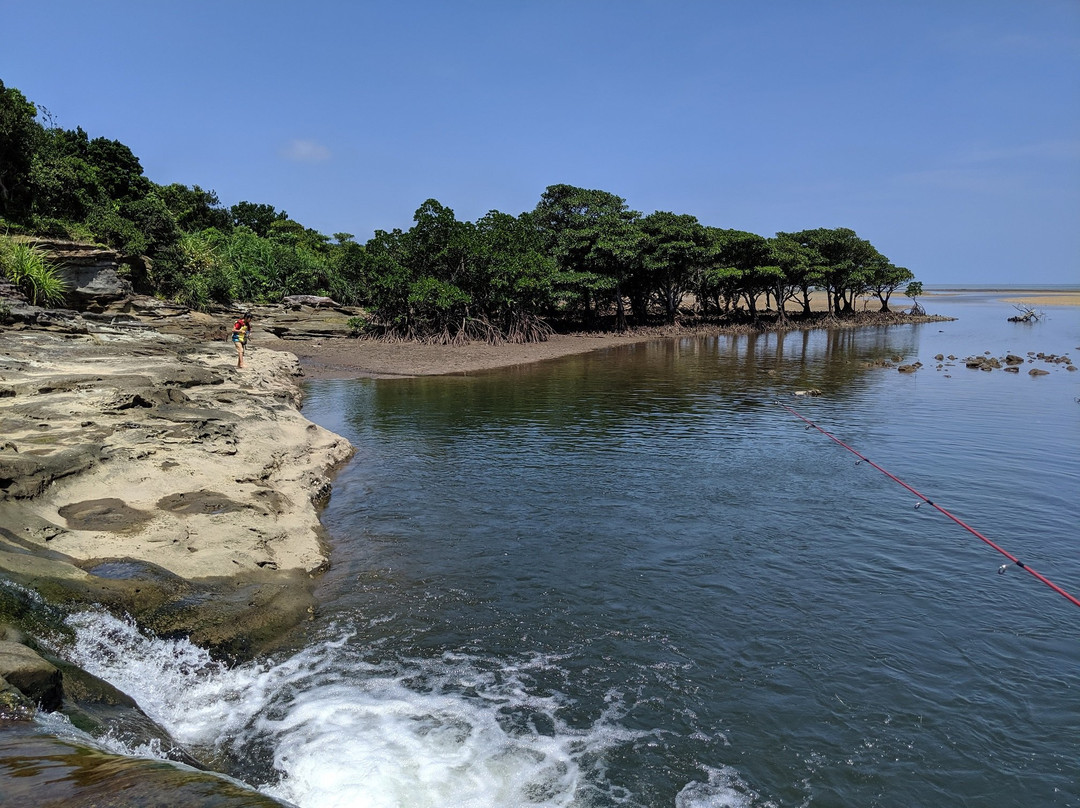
{"x": 146, "y": 472}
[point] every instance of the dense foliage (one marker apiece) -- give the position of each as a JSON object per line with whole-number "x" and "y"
{"x": 32, "y": 273}
{"x": 579, "y": 256}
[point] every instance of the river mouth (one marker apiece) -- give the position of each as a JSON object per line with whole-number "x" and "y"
{"x": 630, "y": 578}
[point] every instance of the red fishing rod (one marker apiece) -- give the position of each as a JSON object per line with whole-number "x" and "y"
{"x": 937, "y": 507}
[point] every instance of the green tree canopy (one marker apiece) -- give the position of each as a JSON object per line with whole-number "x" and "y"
{"x": 258, "y": 217}
{"x": 195, "y": 209}
{"x": 741, "y": 265}
{"x": 579, "y": 254}
{"x": 19, "y": 140}
{"x": 675, "y": 248}
{"x": 595, "y": 240}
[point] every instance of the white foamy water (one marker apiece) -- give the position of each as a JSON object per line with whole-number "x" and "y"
{"x": 337, "y": 731}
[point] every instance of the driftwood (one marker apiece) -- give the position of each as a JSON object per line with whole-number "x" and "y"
{"x": 1028, "y": 314}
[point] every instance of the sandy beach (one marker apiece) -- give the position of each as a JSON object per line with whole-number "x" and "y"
{"x": 1027, "y": 297}
{"x": 346, "y": 358}
{"x": 1045, "y": 299}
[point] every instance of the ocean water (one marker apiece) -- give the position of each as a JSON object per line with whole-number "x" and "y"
{"x": 631, "y": 578}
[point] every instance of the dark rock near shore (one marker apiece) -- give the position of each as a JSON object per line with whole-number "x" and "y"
{"x": 1011, "y": 362}
{"x": 98, "y": 708}
{"x": 14, "y": 706}
{"x": 37, "y": 679}
{"x": 42, "y": 770}
{"x": 235, "y": 617}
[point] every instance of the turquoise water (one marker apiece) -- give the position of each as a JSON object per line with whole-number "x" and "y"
{"x": 630, "y": 578}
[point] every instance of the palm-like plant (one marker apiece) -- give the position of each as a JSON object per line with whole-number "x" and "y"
{"x": 27, "y": 266}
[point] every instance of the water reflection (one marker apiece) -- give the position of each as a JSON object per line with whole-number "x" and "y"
{"x": 607, "y": 388}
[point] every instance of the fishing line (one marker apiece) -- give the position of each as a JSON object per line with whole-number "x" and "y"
{"x": 937, "y": 507}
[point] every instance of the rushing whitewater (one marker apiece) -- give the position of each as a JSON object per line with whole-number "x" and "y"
{"x": 340, "y": 732}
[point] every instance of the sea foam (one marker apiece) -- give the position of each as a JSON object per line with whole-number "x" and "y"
{"x": 335, "y": 730}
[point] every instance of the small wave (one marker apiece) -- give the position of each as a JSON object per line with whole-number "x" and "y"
{"x": 723, "y": 789}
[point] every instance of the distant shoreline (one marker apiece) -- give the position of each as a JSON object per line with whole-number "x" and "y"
{"x": 1017, "y": 295}
{"x": 1048, "y": 289}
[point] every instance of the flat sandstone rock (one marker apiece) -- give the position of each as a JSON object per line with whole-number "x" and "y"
{"x": 151, "y": 447}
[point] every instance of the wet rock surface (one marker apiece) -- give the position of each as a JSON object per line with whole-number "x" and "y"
{"x": 1044, "y": 363}
{"x": 42, "y": 770}
{"x": 1011, "y": 362}
{"x": 38, "y": 680}
{"x": 14, "y": 706}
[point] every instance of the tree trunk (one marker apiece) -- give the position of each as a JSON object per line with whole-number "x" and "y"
{"x": 620, "y": 310}
{"x": 781, "y": 314}
{"x": 751, "y": 304}
{"x": 671, "y": 305}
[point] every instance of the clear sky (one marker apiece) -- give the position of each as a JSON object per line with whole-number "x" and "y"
{"x": 947, "y": 132}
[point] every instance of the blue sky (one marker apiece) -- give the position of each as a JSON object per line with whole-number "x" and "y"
{"x": 947, "y": 132}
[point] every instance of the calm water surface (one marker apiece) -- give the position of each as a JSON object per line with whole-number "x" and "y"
{"x": 630, "y": 578}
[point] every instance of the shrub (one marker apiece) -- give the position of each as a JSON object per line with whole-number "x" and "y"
{"x": 28, "y": 268}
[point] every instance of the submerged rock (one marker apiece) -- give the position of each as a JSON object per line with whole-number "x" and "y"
{"x": 14, "y": 706}
{"x": 42, "y": 770}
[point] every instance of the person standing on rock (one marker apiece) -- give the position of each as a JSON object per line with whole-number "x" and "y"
{"x": 240, "y": 331}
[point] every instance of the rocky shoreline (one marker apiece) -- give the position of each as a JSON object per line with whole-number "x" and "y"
{"x": 143, "y": 473}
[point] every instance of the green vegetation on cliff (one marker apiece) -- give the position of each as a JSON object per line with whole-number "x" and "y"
{"x": 579, "y": 256}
